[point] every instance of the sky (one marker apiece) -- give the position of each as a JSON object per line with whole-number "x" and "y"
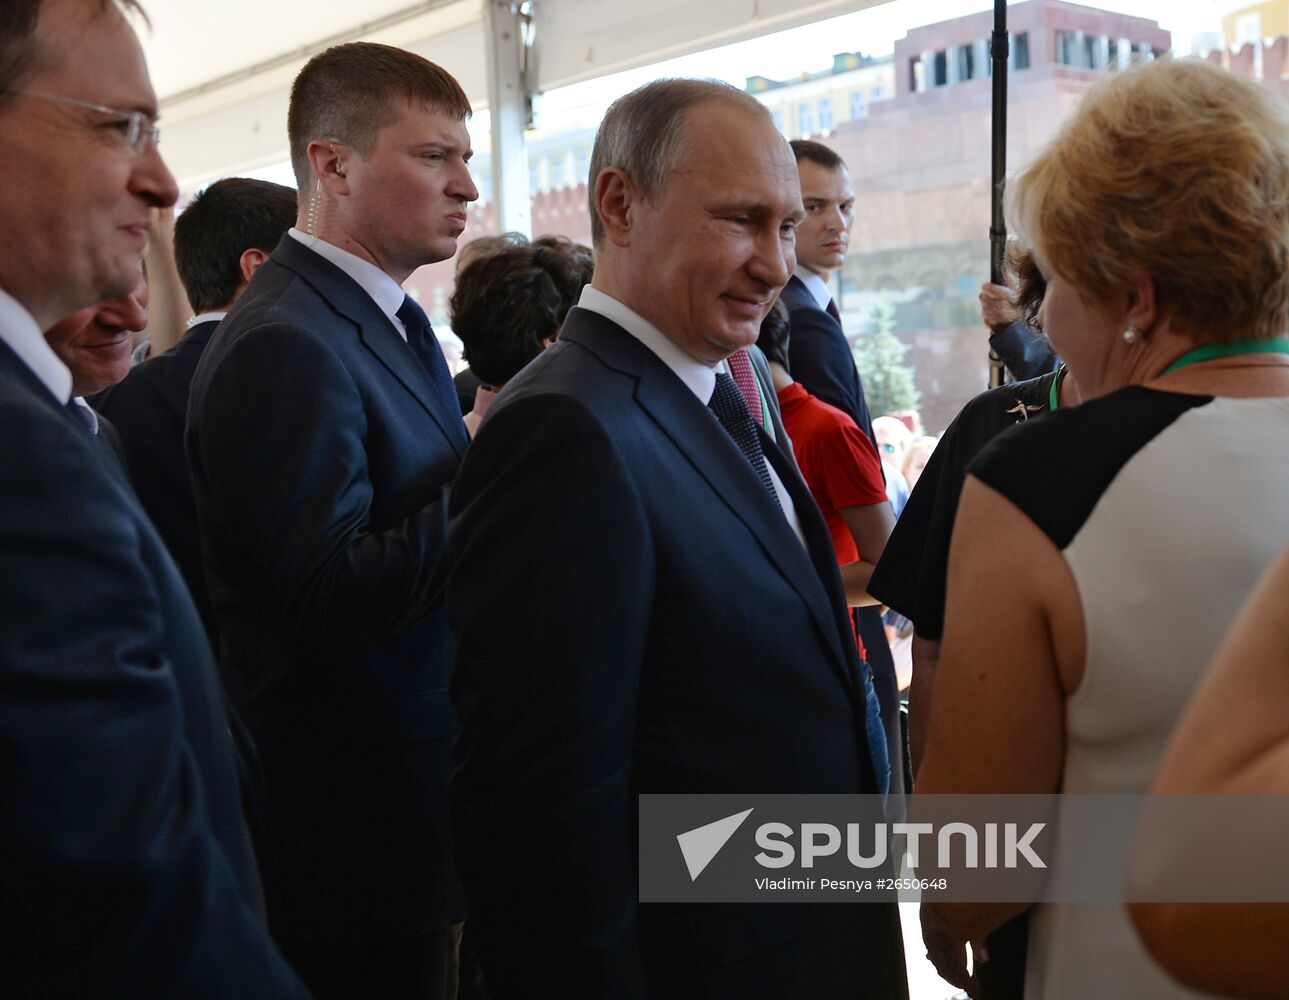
{"x": 811, "y": 47}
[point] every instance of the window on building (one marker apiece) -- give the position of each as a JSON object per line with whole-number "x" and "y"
{"x": 776, "y": 116}
{"x": 1089, "y": 53}
{"x": 557, "y": 172}
{"x": 879, "y": 92}
{"x": 1020, "y": 50}
{"x": 805, "y": 119}
{"x": 939, "y": 70}
{"x": 966, "y": 60}
{"x": 583, "y": 166}
{"x": 825, "y": 114}
{"x": 858, "y": 105}
{"x": 1065, "y": 51}
{"x": 534, "y": 177}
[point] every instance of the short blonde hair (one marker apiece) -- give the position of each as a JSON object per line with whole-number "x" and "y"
{"x": 1176, "y": 170}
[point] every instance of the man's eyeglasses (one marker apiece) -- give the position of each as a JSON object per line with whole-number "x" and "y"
{"x": 137, "y": 127}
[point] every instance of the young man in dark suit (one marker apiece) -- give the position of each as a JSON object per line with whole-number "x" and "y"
{"x": 127, "y": 867}
{"x": 823, "y": 364}
{"x": 323, "y": 432}
{"x": 672, "y": 620}
{"x": 223, "y": 236}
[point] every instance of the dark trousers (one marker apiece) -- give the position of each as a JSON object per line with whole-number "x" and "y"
{"x": 421, "y": 967}
{"x": 873, "y": 632}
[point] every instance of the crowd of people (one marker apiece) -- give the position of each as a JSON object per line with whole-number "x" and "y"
{"x": 325, "y": 673}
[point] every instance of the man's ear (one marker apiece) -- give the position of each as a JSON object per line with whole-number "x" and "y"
{"x": 615, "y": 197}
{"x": 250, "y": 262}
{"x": 327, "y": 161}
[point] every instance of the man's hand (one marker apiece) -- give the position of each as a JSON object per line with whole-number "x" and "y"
{"x": 997, "y": 305}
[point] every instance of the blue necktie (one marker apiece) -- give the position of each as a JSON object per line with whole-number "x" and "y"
{"x": 731, "y": 410}
{"x": 420, "y": 338}
{"x": 82, "y": 415}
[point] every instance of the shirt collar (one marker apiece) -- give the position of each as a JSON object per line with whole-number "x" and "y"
{"x": 18, "y": 329}
{"x": 700, "y": 378}
{"x": 387, "y": 293}
{"x": 209, "y": 317}
{"x": 815, "y": 285}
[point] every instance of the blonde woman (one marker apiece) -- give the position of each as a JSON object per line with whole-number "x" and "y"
{"x": 1100, "y": 553}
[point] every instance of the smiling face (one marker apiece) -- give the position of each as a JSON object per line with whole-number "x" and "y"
{"x": 407, "y": 196}
{"x": 76, "y": 202}
{"x": 96, "y": 343}
{"x": 709, "y": 253}
{"x": 824, "y": 236}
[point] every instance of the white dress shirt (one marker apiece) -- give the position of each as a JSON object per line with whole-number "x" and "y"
{"x": 19, "y": 331}
{"x": 699, "y": 377}
{"x": 387, "y": 293}
{"x": 815, "y": 285}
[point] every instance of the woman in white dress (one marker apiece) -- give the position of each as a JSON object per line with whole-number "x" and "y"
{"x": 1099, "y": 553}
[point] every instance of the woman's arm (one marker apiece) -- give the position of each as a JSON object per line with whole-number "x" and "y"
{"x": 1012, "y": 647}
{"x": 870, "y": 525}
{"x": 1233, "y": 739}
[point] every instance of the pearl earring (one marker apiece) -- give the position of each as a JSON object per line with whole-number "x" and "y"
{"x": 1131, "y": 335}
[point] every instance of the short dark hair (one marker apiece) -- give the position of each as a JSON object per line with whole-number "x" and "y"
{"x": 1027, "y": 280}
{"x": 816, "y": 152}
{"x": 19, "y": 53}
{"x": 350, "y": 92}
{"x": 505, "y": 305}
{"x": 643, "y": 134}
{"x": 219, "y": 225}
{"x": 773, "y": 338}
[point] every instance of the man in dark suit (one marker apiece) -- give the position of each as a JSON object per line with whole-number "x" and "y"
{"x": 223, "y": 236}
{"x": 823, "y": 364}
{"x": 95, "y": 345}
{"x": 645, "y": 596}
{"x": 323, "y": 432}
{"x": 127, "y": 868}
{"x": 820, "y": 353}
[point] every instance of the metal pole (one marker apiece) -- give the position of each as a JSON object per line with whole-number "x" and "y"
{"x": 997, "y": 226}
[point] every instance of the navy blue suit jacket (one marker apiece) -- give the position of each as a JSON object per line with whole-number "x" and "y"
{"x": 127, "y": 868}
{"x": 149, "y": 409}
{"x": 320, "y": 458}
{"x": 820, "y": 355}
{"x": 634, "y": 614}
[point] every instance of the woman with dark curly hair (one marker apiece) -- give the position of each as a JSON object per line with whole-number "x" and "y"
{"x": 508, "y": 308}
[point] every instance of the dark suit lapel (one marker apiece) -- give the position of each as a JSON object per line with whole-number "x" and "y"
{"x": 698, "y": 435}
{"x": 375, "y": 330}
{"x": 822, "y": 554}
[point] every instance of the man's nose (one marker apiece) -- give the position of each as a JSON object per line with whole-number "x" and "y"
{"x": 151, "y": 178}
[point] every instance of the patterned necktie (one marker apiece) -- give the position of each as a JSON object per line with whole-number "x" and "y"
{"x": 832, "y": 311}
{"x": 745, "y": 378}
{"x": 731, "y": 410}
{"x": 420, "y": 338}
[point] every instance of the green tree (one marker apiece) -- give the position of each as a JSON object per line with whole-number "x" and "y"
{"x": 879, "y": 355}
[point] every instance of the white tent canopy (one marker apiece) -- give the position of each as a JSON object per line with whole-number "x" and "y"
{"x": 224, "y": 70}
